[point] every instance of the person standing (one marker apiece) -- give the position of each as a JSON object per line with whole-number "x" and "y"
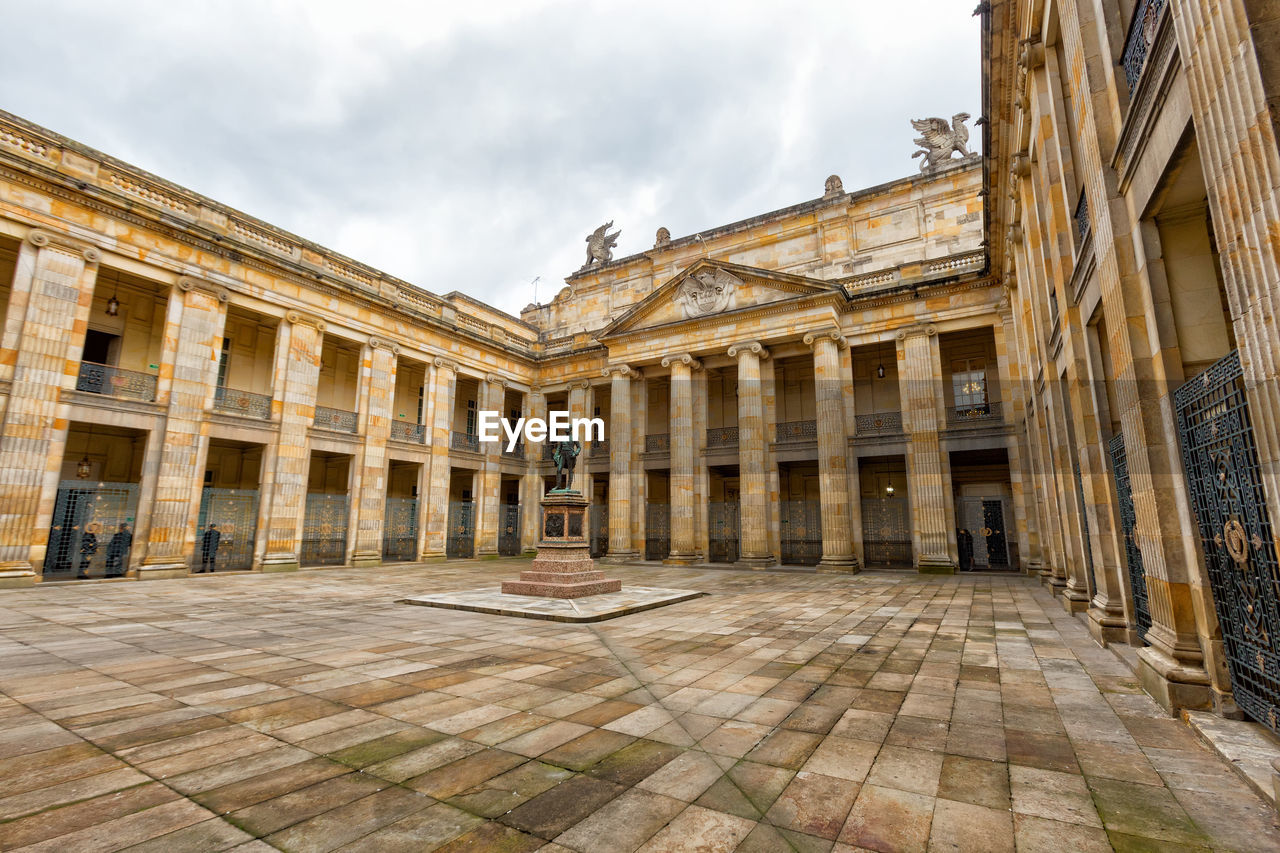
{"x": 209, "y": 548}
{"x": 88, "y": 547}
{"x": 118, "y": 552}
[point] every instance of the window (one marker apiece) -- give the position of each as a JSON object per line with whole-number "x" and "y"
{"x": 471, "y": 417}
{"x": 224, "y": 361}
{"x": 969, "y": 385}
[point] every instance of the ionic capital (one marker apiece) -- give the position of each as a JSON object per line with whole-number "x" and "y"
{"x": 297, "y": 318}
{"x": 495, "y": 379}
{"x": 445, "y": 364}
{"x": 828, "y": 334}
{"x": 622, "y": 370}
{"x": 927, "y": 329}
{"x": 682, "y": 358}
{"x": 748, "y": 348}
{"x": 187, "y": 284}
{"x": 40, "y": 238}
{"x": 379, "y": 343}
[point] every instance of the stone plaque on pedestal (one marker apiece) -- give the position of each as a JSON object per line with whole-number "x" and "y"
{"x": 563, "y": 567}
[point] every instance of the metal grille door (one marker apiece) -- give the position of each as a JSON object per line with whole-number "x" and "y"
{"x": 886, "y": 532}
{"x": 324, "y": 531}
{"x": 461, "y": 538}
{"x": 1221, "y": 462}
{"x": 400, "y": 530}
{"x": 801, "y": 533}
{"x": 509, "y": 530}
{"x": 1133, "y": 557}
{"x": 599, "y": 529}
{"x": 723, "y": 528}
{"x": 85, "y": 537}
{"x": 235, "y": 512}
{"x": 657, "y": 531}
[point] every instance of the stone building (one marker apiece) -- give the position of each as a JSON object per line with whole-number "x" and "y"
{"x": 827, "y": 384}
{"x": 1133, "y": 209}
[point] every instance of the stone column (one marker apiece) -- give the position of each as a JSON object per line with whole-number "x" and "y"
{"x": 620, "y": 486}
{"x": 379, "y": 367}
{"x": 535, "y": 406}
{"x": 493, "y": 391}
{"x": 833, "y": 451}
{"x": 929, "y": 481}
{"x": 52, "y": 292}
{"x": 442, "y": 394}
{"x": 296, "y": 399}
{"x": 753, "y": 483}
{"x": 684, "y": 549}
{"x": 579, "y": 406}
{"x": 193, "y": 336}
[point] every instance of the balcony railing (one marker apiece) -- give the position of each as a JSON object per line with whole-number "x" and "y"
{"x": 722, "y": 437}
{"x": 233, "y": 401}
{"x": 516, "y": 452}
{"x": 412, "y": 433}
{"x": 878, "y": 423}
{"x": 338, "y": 420}
{"x": 1142, "y": 32}
{"x": 986, "y": 413}
{"x": 600, "y": 448}
{"x": 465, "y": 441}
{"x": 116, "y": 382}
{"x": 794, "y": 431}
{"x": 657, "y": 443}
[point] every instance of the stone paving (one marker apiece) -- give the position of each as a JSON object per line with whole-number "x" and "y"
{"x": 783, "y": 711}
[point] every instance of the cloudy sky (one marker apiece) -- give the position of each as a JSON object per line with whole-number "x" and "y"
{"x": 472, "y": 146}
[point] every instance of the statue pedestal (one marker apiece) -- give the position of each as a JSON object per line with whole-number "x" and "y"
{"x": 563, "y": 567}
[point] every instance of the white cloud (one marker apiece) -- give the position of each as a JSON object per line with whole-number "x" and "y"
{"x": 472, "y": 146}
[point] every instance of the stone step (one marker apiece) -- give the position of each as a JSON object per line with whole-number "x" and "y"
{"x": 561, "y": 577}
{"x": 560, "y": 590}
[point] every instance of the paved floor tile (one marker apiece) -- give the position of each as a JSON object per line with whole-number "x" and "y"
{"x": 782, "y": 711}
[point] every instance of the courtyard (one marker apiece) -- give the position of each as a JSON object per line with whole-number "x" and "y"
{"x": 782, "y": 711}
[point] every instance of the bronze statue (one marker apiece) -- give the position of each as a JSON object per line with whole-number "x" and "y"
{"x": 565, "y": 455}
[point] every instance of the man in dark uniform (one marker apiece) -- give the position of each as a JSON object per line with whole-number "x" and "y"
{"x": 209, "y": 549}
{"x": 118, "y": 552}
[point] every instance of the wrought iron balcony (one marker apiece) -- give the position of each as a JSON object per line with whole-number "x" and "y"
{"x": 878, "y": 423}
{"x": 982, "y": 414}
{"x": 116, "y": 382}
{"x": 465, "y": 441}
{"x": 412, "y": 433}
{"x": 1142, "y": 33}
{"x": 516, "y": 452}
{"x": 796, "y": 431}
{"x": 233, "y": 401}
{"x": 338, "y": 420}
{"x": 722, "y": 437}
{"x": 600, "y": 448}
{"x": 658, "y": 443}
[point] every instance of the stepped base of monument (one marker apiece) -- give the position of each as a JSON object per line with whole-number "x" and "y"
{"x": 561, "y": 584}
{"x": 589, "y": 608}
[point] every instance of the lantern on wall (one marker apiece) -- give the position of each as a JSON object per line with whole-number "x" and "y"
{"x": 84, "y": 468}
{"x": 113, "y": 306}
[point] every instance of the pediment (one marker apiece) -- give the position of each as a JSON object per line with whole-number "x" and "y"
{"x": 709, "y": 288}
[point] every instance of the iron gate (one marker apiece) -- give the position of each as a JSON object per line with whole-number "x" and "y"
{"x": 235, "y": 513}
{"x": 1133, "y": 557}
{"x": 657, "y": 531}
{"x": 509, "y": 530}
{"x": 886, "y": 532}
{"x": 324, "y": 531}
{"x": 723, "y": 530}
{"x": 982, "y": 534}
{"x": 400, "y": 530}
{"x": 86, "y": 520}
{"x": 461, "y": 538}
{"x": 598, "y": 529}
{"x": 1088, "y": 539}
{"x": 801, "y": 533}
{"x": 1221, "y": 464}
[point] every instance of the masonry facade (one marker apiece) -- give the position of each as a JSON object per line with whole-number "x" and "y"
{"x": 1133, "y": 162}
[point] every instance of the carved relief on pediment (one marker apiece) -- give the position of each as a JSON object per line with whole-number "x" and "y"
{"x": 708, "y": 291}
